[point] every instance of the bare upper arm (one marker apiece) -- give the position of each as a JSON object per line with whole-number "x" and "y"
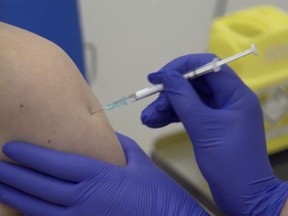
{"x": 45, "y": 101}
{"x": 284, "y": 211}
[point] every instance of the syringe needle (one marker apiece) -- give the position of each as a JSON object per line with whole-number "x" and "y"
{"x": 97, "y": 111}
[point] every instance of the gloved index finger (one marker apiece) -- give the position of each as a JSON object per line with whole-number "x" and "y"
{"x": 223, "y": 84}
{"x": 66, "y": 166}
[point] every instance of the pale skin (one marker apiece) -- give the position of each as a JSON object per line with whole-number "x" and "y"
{"x": 45, "y": 101}
{"x": 284, "y": 211}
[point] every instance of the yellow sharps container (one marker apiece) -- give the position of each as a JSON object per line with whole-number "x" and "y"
{"x": 267, "y": 74}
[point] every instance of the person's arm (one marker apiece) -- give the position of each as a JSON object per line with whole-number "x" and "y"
{"x": 284, "y": 211}
{"x": 224, "y": 121}
{"x": 45, "y": 101}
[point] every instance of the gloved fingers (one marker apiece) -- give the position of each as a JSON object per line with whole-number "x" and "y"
{"x": 66, "y": 166}
{"x": 162, "y": 104}
{"x": 27, "y": 204}
{"x": 182, "y": 96}
{"x": 135, "y": 156}
{"x": 156, "y": 77}
{"x": 223, "y": 85}
{"x": 159, "y": 113}
{"x": 37, "y": 184}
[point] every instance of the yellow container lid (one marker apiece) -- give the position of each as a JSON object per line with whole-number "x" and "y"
{"x": 267, "y": 27}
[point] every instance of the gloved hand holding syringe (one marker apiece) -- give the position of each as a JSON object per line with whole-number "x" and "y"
{"x": 213, "y": 66}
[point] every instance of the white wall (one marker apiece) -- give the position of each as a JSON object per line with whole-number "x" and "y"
{"x": 133, "y": 38}
{"x": 236, "y": 5}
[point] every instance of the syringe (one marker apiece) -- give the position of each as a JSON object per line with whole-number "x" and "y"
{"x": 213, "y": 66}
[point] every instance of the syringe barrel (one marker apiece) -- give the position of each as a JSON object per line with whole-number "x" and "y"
{"x": 146, "y": 92}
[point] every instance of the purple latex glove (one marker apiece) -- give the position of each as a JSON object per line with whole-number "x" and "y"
{"x": 223, "y": 119}
{"x": 58, "y": 183}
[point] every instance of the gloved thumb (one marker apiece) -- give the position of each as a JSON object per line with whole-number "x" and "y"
{"x": 181, "y": 94}
{"x": 134, "y": 154}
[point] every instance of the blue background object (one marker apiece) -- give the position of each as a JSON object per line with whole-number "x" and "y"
{"x": 56, "y": 20}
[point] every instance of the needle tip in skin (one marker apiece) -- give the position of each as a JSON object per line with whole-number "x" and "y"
{"x": 97, "y": 111}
